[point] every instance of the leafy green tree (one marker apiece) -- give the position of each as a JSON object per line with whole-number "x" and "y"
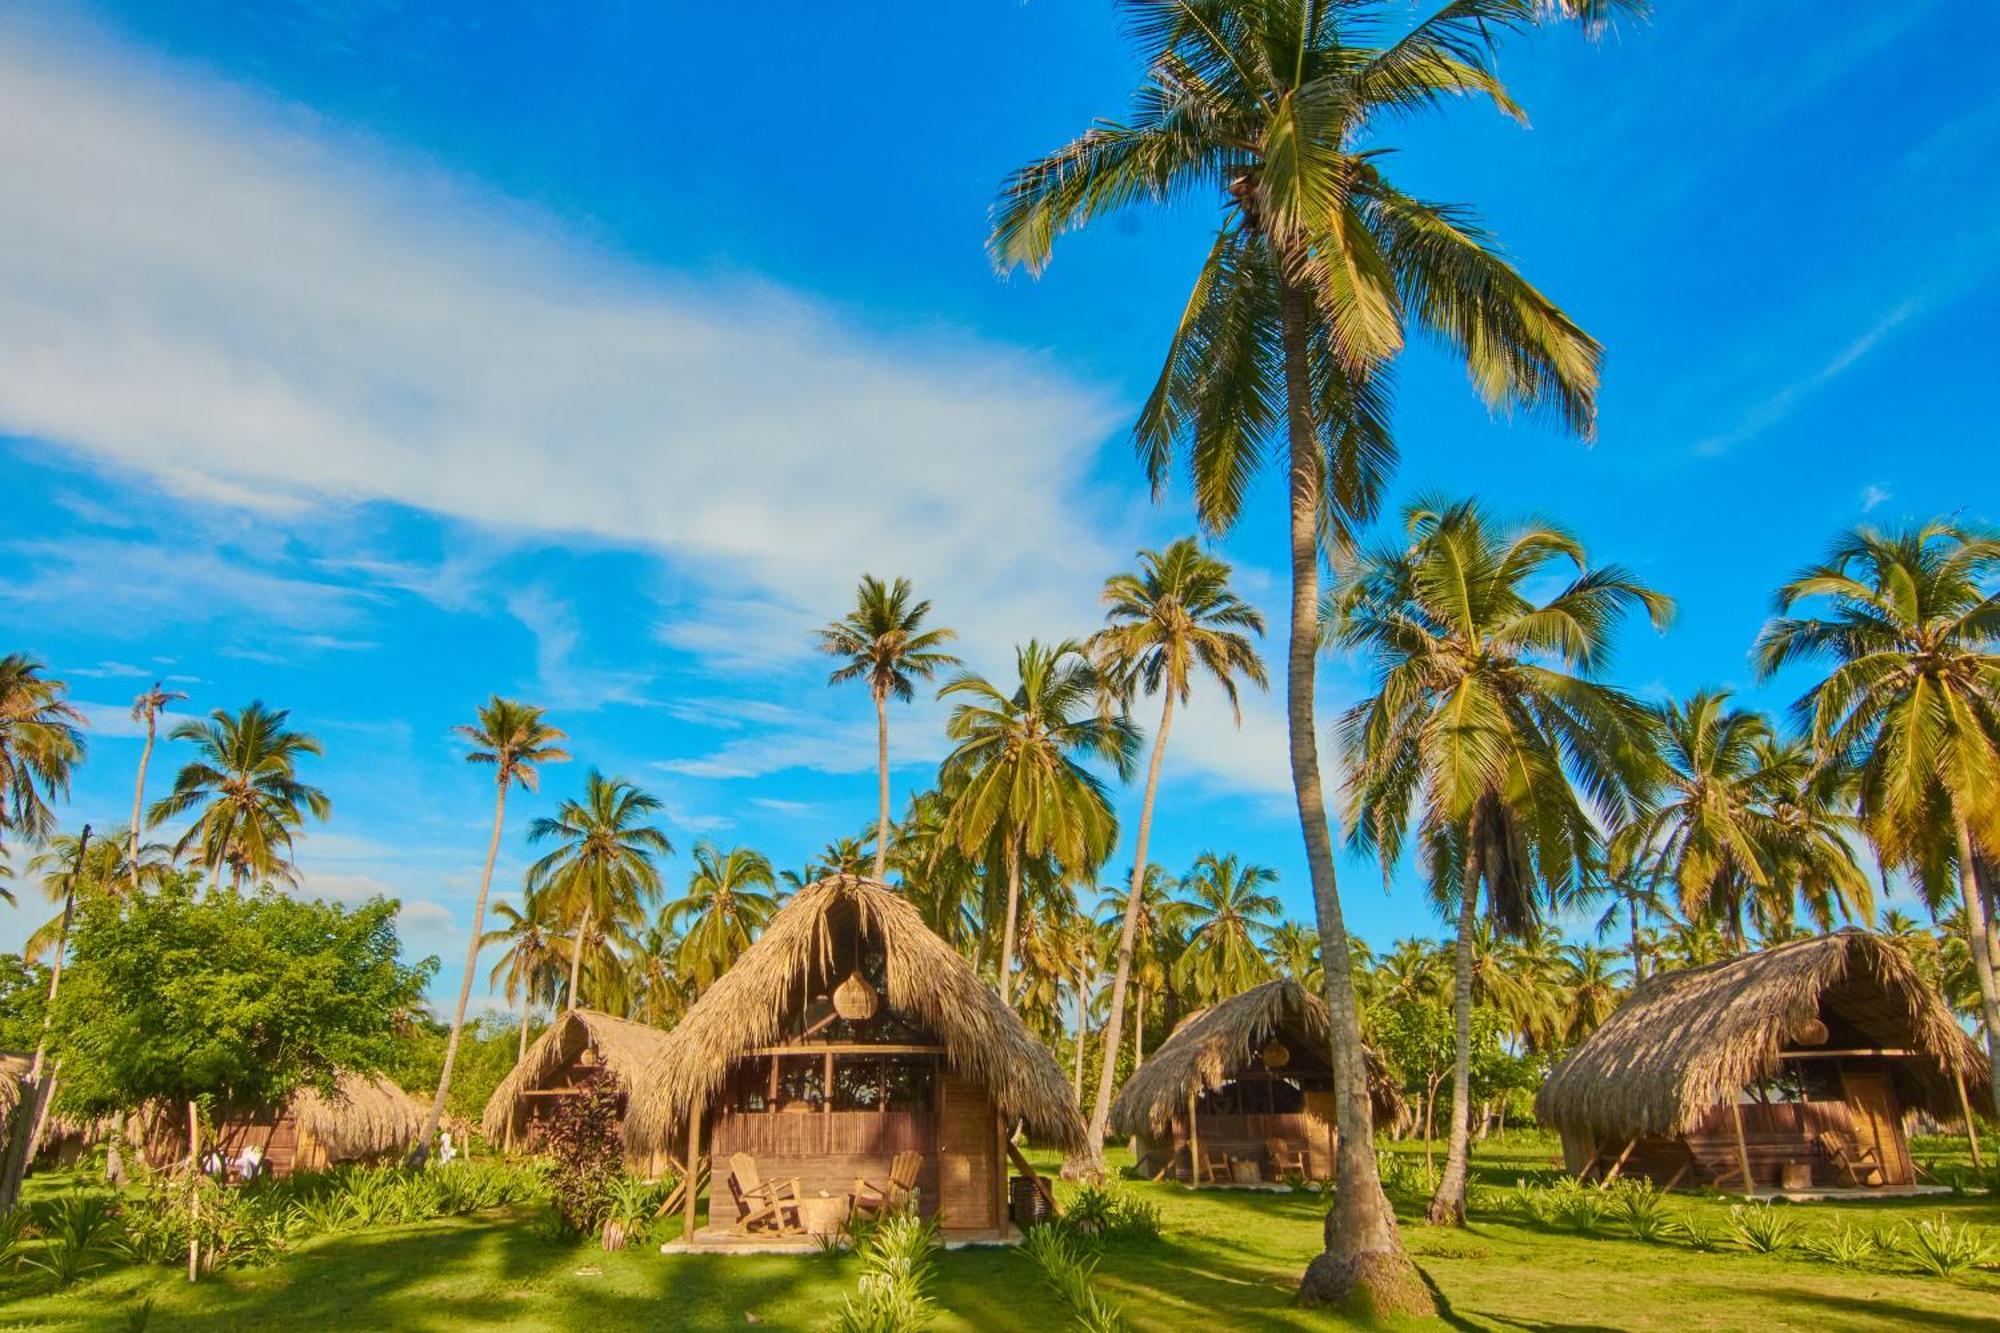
{"x": 1177, "y": 614}
{"x": 24, "y": 994}
{"x": 1284, "y": 352}
{"x": 883, "y": 641}
{"x": 1910, "y": 636}
{"x": 232, "y": 1002}
{"x": 1018, "y": 774}
{"x": 601, "y": 873}
{"x": 1487, "y": 723}
{"x": 1158, "y": 935}
{"x": 1294, "y": 950}
{"x": 729, "y": 899}
{"x": 146, "y": 710}
{"x": 1595, "y": 985}
{"x": 516, "y": 741}
{"x": 246, "y": 789}
{"x": 1229, "y": 918}
{"x": 106, "y": 869}
{"x": 41, "y": 741}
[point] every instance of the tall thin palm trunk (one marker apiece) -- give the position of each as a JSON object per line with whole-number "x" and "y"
{"x": 1448, "y": 1203}
{"x": 527, "y": 1008}
{"x": 1980, "y": 941}
{"x": 139, "y": 789}
{"x": 1013, "y": 916}
{"x": 882, "y": 784}
{"x": 1138, "y": 1029}
{"x": 423, "y": 1145}
{"x": 1638, "y": 959}
{"x": 1364, "y": 1256}
{"x": 1128, "y": 932}
{"x": 1082, "y": 1002}
{"x": 576, "y": 949}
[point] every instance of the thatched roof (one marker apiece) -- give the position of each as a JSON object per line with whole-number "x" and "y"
{"x": 1688, "y": 1041}
{"x": 927, "y": 981}
{"x": 1213, "y": 1045}
{"x": 13, "y": 1070}
{"x": 368, "y": 1116}
{"x": 620, "y": 1047}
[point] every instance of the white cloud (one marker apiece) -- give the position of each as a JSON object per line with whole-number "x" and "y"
{"x": 561, "y": 680}
{"x": 1779, "y": 405}
{"x": 1872, "y": 496}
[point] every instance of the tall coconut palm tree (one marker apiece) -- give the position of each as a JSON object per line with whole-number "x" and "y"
{"x": 1708, "y": 825}
{"x": 883, "y": 641}
{"x": 1487, "y": 722}
{"x": 1812, "y": 835}
{"x": 532, "y": 966}
{"x": 660, "y": 990}
{"x": 1294, "y": 950}
{"x": 105, "y": 868}
{"x": 1635, "y": 891}
{"x": 1594, "y": 987}
{"x": 601, "y": 873}
{"x": 1018, "y": 773}
{"x": 146, "y": 710}
{"x": 1910, "y": 633}
{"x": 1157, "y": 938}
{"x": 41, "y": 740}
{"x": 1284, "y": 351}
{"x": 1174, "y": 616}
{"x": 1230, "y": 915}
{"x": 247, "y": 792}
{"x": 729, "y": 899}
{"x": 515, "y": 739}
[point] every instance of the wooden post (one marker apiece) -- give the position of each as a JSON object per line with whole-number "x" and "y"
{"x": 194, "y": 1193}
{"x": 1194, "y": 1146}
{"x": 1971, "y": 1130}
{"x": 1742, "y": 1147}
{"x": 1618, "y": 1165}
{"x": 693, "y": 1165}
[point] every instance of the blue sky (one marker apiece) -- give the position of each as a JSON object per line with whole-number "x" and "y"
{"x": 370, "y": 358}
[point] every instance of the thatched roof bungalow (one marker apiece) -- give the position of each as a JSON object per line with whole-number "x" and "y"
{"x": 581, "y": 1046}
{"x": 1794, "y": 1067}
{"x": 1243, "y": 1090}
{"x": 367, "y": 1119}
{"x": 847, "y": 1036}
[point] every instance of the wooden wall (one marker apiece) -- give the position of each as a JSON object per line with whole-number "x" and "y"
{"x": 1774, "y": 1136}
{"x": 1244, "y": 1136}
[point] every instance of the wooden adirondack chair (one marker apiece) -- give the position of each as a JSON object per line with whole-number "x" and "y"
{"x": 1852, "y": 1157}
{"x": 759, "y": 1204}
{"x": 1217, "y": 1165}
{"x": 1285, "y": 1160}
{"x": 878, "y": 1201}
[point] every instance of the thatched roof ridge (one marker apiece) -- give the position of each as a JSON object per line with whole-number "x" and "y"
{"x": 1686, "y": 1041}
{"x": 624, "y": 1049}
{"x": 367, "y": 1116}
{"x": 1212, "y": 1045}
{"x": 927, "y": 980}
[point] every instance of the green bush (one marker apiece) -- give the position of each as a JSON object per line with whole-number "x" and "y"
{"x": 1763, "y": 1228}
{"x": 893, "y": 1295}
{"x": 80, "y": 1235}
{"x": 1112, "y": 1212}
{"x": 1843, "y": 1246}
{"x": 1942, "y": 1249}
{"x": 629, "y": 1206}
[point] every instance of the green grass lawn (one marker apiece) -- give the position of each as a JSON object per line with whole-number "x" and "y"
{"x": 1225, "y": 1260}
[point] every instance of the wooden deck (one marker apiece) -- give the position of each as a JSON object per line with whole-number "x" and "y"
{"x": 728, "y": 1240}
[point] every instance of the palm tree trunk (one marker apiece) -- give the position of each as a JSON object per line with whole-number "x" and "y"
{"x": 1013, "y": 915}
{"x": 139, "y": 792}
{"x": 1082, "y": 1000}
{"x": 421, "y": 1149}
{"x": 1638, "y": 960}
{"x": 1139, "y": 1029}
{"x": 576, "y": 949}
{"x": 881, "y": 785}
{"x": 1448, "y": 1203}
{"x": 1128, "y": 932}
{"x": 527, "y": 1008}
{"x": 1364, "y": 1259}
{"x": 1974, "y": 899}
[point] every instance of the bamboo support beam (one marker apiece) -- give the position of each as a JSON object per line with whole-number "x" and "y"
{"x": 1971, "y": 1129}
{"x": 1194, "y": 1147}
{"x": 693, "y": 1158}
{"x": 1618, "y": 1165}
{"x": 1742, "y": 1145}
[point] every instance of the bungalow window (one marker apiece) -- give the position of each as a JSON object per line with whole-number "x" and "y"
{"x": 801, "y": 1083}
{"x": 883, "y": 1083}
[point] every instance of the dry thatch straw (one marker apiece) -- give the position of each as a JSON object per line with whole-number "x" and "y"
{"x": 1687, "y": 1041}
{"x": 1213, "y": 1045}
{"x": 623, "y": 1050}
{"x": 13, "y": 1069}
{"x": 367, "y": 1116}
{"x": 793, "y": 960}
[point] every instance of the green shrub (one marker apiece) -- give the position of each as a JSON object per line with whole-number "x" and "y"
{"x": 1070, "y": 1269}
{"x": 1643, "y": 1210}
{"x": 1941, "y": 1249}
{"x": 80, "y": 1235}
{"x": 893, "y": 1296}
{"x": 1843, "y": 1246}
{"x": 1763, "y": 1228}
{"x": 629, "y": 1206}
{"x": 1112, "y": 1212}
{"x": 1698, "y": 1230}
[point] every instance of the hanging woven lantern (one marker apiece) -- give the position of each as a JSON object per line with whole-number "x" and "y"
{"x": 854, "y": 999}
{"x": 1276, "y": 1054}
{"x": 1809, "y": 1032}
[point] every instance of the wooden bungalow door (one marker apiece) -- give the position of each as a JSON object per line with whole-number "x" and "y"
{"x": 1878, "y": 1121}
{"x": 966, "y": 1150}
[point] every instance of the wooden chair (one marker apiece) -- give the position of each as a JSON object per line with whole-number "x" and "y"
{"x": 1285, "y": 1160}
{"x": 1853, "y": 1158}
{"x": 875, "y": 1201}
{"x": 760, "y": 1204}
{"x": 1218, "y": 1166}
